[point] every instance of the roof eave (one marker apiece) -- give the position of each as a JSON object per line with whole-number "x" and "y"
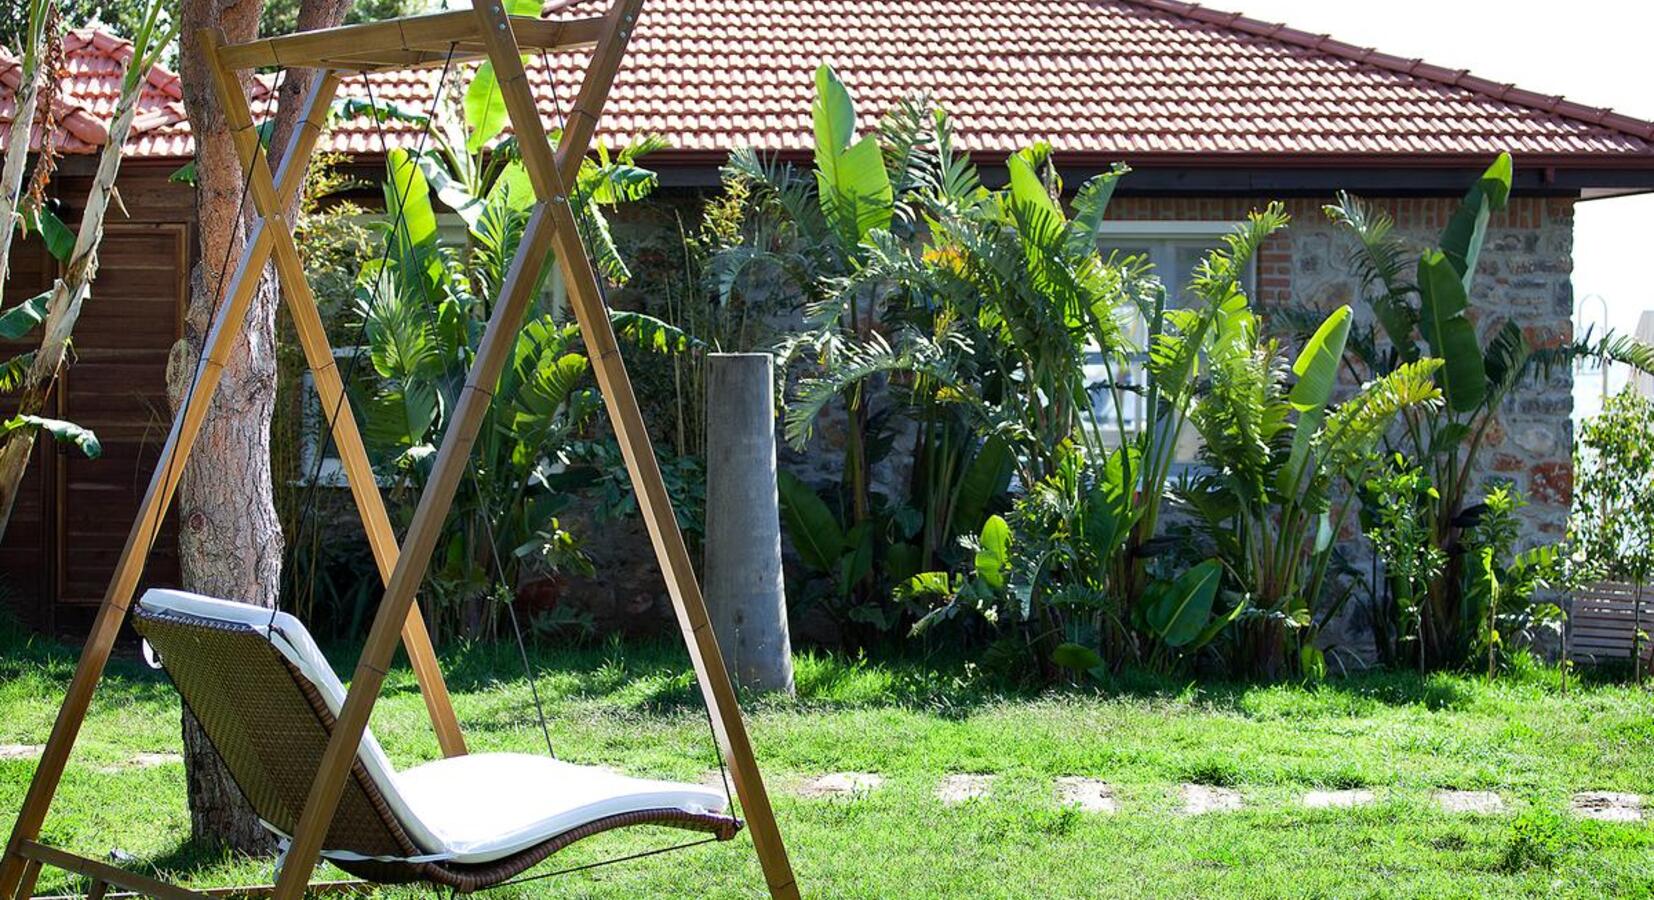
{"x": 1250, "y": 172}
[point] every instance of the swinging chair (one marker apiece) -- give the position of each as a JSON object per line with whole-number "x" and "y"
{"x": 294, "y": 740}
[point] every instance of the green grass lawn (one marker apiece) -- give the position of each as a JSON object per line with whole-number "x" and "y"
{"x": 634, "y": 708}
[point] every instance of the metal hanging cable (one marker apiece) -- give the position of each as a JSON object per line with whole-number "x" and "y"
{"x": 306, "y": 513}
{"x": 603, "y": 294}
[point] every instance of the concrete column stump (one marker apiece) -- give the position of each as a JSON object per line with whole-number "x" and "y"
{"x": 745, "y": 594}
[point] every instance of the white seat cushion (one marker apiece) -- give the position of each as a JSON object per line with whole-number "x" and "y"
{"x": 490, "y": 805}
{"x": 470, "y": 809}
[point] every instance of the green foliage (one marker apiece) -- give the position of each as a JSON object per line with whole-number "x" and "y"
{"x": 18, "y": 321}
{"x": 1432, "y": 315}
{"x": 1179, "y": 612}
{"x": 1537, "y": 839}
{"x": 1502, "y": 581}
{"x": 1611, "y": 529}
{"x": 1277, "y": 465}
{"x": 64, "y": 432}
{"x": 1398, "y": 501}
{"x": 422, "y": 305}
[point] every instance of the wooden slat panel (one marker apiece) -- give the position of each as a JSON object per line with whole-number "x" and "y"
{"x": 117, "y": 387}
{"x": 25, "y": 551}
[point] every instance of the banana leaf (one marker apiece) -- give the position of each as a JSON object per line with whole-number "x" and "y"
{"x": 1451, "y": 336}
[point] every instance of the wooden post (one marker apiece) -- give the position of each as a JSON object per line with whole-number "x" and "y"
{"x": 550, "y": 181}
{"x": 301, "y": 303}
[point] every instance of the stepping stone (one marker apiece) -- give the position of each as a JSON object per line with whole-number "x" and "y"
{"x": 1087, "y": 794}
{"x": 20, "y": 751}
{"x": 1607, "y": 806}
{"x": 1337, "y": 799}
{"x": 1199, "y": 799}
{"x": 144, "y": 761}
{"x": 1479, "y": 802}
{"x": 842, "y": 784}
{"x": 957, "y": 789}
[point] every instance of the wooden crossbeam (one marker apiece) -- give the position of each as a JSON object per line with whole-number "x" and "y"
{"x": 103, "y": 875}
{"x": 403, "y": 43}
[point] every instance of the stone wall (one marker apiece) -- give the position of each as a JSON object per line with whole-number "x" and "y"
{"x": 1524, "y": 275}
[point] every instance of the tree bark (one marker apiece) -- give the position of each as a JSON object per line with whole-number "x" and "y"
{"x": 230, "y": 540}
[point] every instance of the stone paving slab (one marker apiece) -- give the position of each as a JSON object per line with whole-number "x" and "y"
{"x": 1607, "y": 806}
{"x": 1087, "y": 794}
{"x": 1476, "y": 802}
{"x": 956, "y": 789}
{"x": 1346, "y": 799}
{"x": 841, "y": 784}
{"x": 143, "y": 761}
{"x": 1199, "y": 799}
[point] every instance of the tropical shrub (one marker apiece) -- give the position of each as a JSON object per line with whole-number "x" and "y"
{"x": 1399, "y": 500}
{"x": 421, "y": 306}
{"x": 1506, "y": 586}
{"x": 825, "y": 242}
{"x": 1421, "y": 307}
{"x": 1278, "y": 459}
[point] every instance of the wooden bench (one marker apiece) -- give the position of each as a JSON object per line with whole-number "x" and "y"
{"x": 1603, "y": 621}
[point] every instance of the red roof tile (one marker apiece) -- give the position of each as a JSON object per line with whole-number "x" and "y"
{"x": 1099, "y": 78}
{"x": 90, "y": 87}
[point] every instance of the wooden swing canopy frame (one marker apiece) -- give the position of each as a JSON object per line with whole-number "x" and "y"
{"x": 485, "y": 32}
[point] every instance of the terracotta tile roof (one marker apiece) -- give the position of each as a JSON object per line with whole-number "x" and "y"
{"x": 90, "y": 88}
{"x": 1097, "y": 78}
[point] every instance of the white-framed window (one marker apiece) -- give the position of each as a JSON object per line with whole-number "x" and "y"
{"x": 1174, "y": 248}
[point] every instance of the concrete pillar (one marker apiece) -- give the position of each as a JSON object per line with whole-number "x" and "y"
{"x": 744, "y": 591}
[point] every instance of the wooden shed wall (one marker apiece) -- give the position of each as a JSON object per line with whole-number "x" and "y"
{"x": 74, "y": 515}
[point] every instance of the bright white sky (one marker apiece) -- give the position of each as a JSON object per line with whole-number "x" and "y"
{"x": 1594, "y": 51}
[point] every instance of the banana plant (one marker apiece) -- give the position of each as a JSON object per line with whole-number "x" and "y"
{"x": 1421, "y": 305}
{"x": 26, "y": 98}
{"x": 57, "y": 311}
{"x": 422, "y": 306}
{"x": 1276, "y": 453}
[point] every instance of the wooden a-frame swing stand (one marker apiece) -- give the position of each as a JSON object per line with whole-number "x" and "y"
{"x": 486, "y": 32}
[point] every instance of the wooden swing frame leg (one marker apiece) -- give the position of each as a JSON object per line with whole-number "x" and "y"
{"x": 551, "y": 227}
{"x": 269, "y": 234}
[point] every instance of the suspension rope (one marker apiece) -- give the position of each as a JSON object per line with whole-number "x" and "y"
{"x": 603, "y": 294}
{"x": 306, "y": 516}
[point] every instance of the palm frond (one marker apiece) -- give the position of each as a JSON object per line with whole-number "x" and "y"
{"x": 1354, "y": 428}
{"x": 858, "y": 364}
{"x": 1381, "y": 261}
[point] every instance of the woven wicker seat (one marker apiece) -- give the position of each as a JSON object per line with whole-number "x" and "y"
{"x": 255, "y": 688}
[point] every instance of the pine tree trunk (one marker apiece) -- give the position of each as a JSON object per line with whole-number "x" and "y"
{"x": 230, "y": 540}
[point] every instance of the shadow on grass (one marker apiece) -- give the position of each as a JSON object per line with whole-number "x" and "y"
{"x": 654, "y": 676}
